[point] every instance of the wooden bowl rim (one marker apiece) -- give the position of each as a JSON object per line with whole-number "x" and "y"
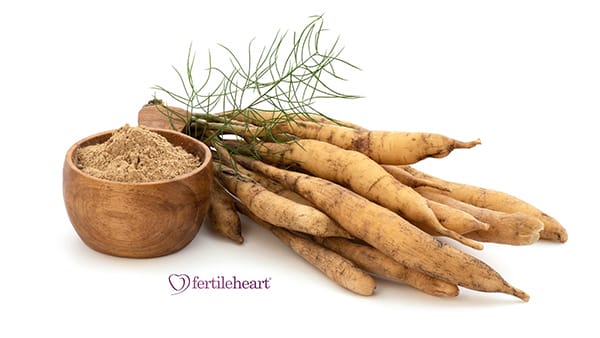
{"x": 205, "y": 161}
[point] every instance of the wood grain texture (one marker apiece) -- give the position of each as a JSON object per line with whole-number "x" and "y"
{"x": 157, "y": 116}
{"x": 138, "y": 219}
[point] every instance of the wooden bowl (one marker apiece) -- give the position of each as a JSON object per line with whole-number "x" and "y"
{"x": 138, "y": 219}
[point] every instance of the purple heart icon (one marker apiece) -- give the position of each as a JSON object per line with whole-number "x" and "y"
{"x": 179, "y": 282}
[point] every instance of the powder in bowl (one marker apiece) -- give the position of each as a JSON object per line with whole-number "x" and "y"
{"x": 135, "y": 155}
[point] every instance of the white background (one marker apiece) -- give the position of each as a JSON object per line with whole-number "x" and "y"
{"x": 524, "y": 76}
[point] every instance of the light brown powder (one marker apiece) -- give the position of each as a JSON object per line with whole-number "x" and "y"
{"x": 135, "y": 155}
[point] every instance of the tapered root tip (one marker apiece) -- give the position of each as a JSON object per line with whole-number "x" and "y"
{"x": 444, "y": 290}
{"x": 472, "y": 243}
{"x": 555, "y": 235}
{"x": 481, "y": 226}
{"x": 461, "y": 239}
{"x": 466, "y": 145}
{"x": 520, "y": 294}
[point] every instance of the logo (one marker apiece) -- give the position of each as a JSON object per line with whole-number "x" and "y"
{"x": 182, "y": 282}
{"x": 179, "y": 282}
